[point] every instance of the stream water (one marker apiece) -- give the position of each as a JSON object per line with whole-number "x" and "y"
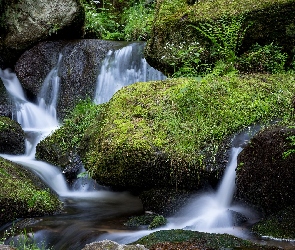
{"x": 95, "y": 214}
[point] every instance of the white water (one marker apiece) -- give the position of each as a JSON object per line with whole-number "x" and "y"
{"x": 209, "y": 212}
{"x": 121, "y": 68}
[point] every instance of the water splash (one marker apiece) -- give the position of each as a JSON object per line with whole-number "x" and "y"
{"x": 121, "y": 68}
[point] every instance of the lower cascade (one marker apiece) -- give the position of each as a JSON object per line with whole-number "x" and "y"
{"x": 90, "y": 213}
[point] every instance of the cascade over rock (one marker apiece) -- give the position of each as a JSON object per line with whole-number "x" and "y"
{"x": 78, "y": 69}
{"x": 28, "y": 21}
{"x": 265, "y": 178}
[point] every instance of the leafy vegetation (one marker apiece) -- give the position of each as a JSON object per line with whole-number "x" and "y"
{"x": 128, "y": 21}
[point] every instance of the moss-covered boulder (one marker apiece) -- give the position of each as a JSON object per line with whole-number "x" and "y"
{"x": 160, "y": 134}
{"x": 22, "y": 194}
{"x": 167, "y": 134}
{"x": 12, "y": 137}
{"x": 265, "y": 173}
{"x": 27, "y": 22}
{"x": 185, "y": 239}
{"x": 178, "y": 30}
{"x": 279, "y": 225}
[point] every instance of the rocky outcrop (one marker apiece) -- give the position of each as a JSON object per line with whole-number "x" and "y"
{"x": 265, "y": 173}
{"x": 175, "y": 33}
{"x": 78, "y": 69}
{"x": 28, "y": 22}
{"x": 12, "y": 137}
{"x": 5, "y": 102}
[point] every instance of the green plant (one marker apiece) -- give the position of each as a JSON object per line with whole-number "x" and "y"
{"x": 22, "y": 240}
{"x": 226, "y": 35}
{"x": 158, "y": 221}
{"x": 101, "y": 22}
{"x": 137, "y": 21}
{"x": 291, "y": 140}
{"x": 266, "y": 59}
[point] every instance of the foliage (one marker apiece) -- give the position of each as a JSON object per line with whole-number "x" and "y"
{"x": 265, "y": 59}
{"x": 291, "y": 140}
{"x": 21, "y": 240}
{"x": 101, "y": 22}
{"x": 137, "y": 21}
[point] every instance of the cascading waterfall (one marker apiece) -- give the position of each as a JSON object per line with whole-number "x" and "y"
{"x": 121, "y": 68}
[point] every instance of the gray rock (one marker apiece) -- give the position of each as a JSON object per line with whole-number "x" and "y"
{"x": 28, "y": 21}
{"x": 78, "y": 69}
{"x": 111, "y": 245}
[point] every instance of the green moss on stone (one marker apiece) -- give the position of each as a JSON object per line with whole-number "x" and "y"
{"x": 279, "y": 225}
{"x": 159, "y": 134}
{"x": 22, "y": 194}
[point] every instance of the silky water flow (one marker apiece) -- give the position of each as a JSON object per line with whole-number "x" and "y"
{"x": 96, "y": 214}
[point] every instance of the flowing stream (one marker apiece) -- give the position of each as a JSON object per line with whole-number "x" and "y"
{"x": 95, "y": 214}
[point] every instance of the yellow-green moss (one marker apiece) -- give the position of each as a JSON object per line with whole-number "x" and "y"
{"x": 22, "y": 194}
{"x": 160, "y": 133}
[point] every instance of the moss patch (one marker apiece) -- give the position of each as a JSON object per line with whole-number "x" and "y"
{"x": 279, "y": 225}
{"x": 185, "y": 239}
{"x": 159, "y": 134}
{"x": 22, "y": 194}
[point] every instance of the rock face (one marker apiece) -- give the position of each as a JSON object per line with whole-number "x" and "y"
{"x": 5, "y": 103}
{"x": 78, "y": 68}
{"x": 27, "y": 22}
{"x": 174, "y": 29}
{"x": 12, "y": 137}
{"x": 265, "y": 173}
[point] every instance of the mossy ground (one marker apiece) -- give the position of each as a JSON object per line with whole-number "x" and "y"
{"x": 22, "y": 194}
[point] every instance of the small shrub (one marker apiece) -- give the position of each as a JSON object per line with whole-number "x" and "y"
{"x": 264, "y": 59}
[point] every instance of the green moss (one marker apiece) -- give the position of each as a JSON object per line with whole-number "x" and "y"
{"x": 22, "y": 194}
{"x": 56, "y": 147}
{"x": 279, "y": 225}
{"x": 164, "y": 130}
{"x": 8, "y": 124}
{"x": 151, "y": 221}
{"x": 202, "y": 240}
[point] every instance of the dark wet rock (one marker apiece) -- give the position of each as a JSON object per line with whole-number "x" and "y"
{"x": 73, "y": 167}
{"x": 265, "y": 173}
{"x": 28, "y": 22}
{"x": 12, "y": 137}
{"x": 5, "y": 102}
{"x": 108, "y": 244}
{"x": 78, "y": 69}
{"x": 164, "y": 201}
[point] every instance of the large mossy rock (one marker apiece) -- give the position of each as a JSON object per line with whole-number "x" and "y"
{"x": 78, "y": 68}
{"x": 167, "y": 134}
{"x": 266, "y": 174}
{"x": 27, "y": 22}
{"x": 12, "y": 137}
{"x": 22, "y": 194}
{"x": 174, "y": 29}
{"x": 5, "y": 102}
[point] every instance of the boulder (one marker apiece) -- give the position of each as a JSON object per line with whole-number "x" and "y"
{"x": 108, "y": 244}
{"x": 28, "y": 22}
{"x": 175, "y": 38}
{"x": 78, "y": 68}
{"x": 23, "y": 194}
{"x": 5, "y": 102}
{"x": 265, "y": 172}
{"x": 12, "y": 137}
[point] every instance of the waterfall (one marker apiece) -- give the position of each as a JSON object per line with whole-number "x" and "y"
{"x": 38, "y": 120}
{"x": 121, "y": 68}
